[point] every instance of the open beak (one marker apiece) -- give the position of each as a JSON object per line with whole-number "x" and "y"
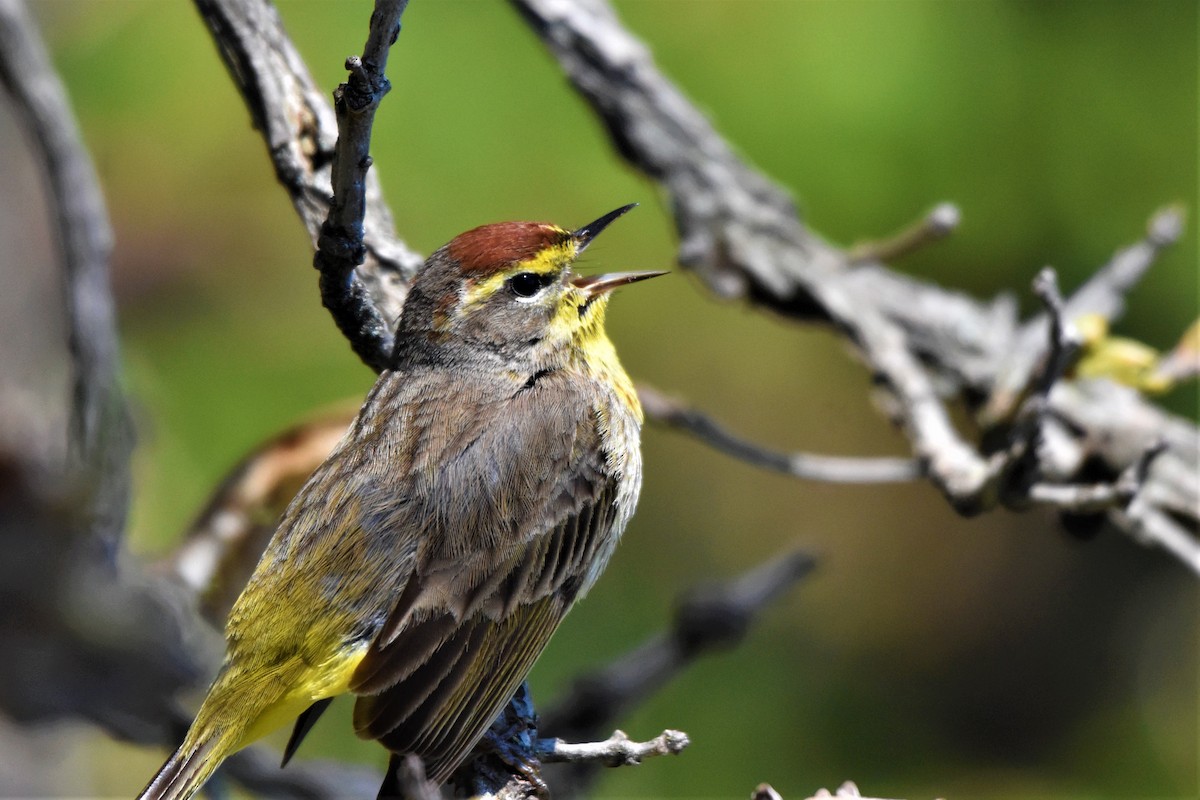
{"x": 583, "y": 237}
{"x": 593, "y": 286}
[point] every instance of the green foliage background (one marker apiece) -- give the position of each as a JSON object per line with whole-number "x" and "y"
{"x": 931, "y": 655}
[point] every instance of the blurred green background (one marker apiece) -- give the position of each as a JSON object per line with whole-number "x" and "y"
{"x": 931, "y": 655}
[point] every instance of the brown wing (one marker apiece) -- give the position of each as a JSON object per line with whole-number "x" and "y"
{"x": 493, "y": 578}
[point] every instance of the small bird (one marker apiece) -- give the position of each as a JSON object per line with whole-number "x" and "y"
{"x": 481, "y": 490}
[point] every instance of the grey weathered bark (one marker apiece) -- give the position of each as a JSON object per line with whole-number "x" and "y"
{"x": 100, "y": 437}
{"x": 922, "y": 343}
{"x": 738, "y": 231}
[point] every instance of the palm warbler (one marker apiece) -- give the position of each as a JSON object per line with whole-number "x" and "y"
{"x": 479, "y": 493}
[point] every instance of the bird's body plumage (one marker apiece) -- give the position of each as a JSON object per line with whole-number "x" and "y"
{"x": 426, "y": 563}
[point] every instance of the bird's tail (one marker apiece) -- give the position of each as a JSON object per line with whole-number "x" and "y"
{"x": 190, "y": 766}
{"x": 241, "y": 707}
{"x": 235, "y": 703}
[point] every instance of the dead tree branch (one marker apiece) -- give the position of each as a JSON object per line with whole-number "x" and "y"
{"x": 100, "y": 436}
{"x": 301, "y": 133}
{"x": 706, "y": 620}
{"x": 340, "y": 246}
{"x": 741, "y": 234}
{"x": 923, "y": 345}
{"x": 85, "y": 636}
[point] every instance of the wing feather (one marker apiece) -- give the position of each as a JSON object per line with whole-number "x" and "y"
{"x": 511, "y": 512}
{"x": 501, "y": 662}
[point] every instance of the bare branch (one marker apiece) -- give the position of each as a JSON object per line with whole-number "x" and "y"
{"x": 617, "y": 750}
{"x": 300, "y": 130}
{"x": 807, "y": 466}
{"x": 1018, "y": 467}
{"x": 707, "y": 619}
{"x": 1064, "y": 342}
{"x": 340, "y": 247}
{"x": 100, "y": 438}
{"x": 1092, "y": 498}
{"x": 1103, "y": 294}
{"x": 741, "y": 234}
{"x": 1151, "y": 525}
{"x": 1119, "y": 425}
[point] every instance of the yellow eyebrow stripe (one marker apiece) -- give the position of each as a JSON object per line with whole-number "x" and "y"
{"x": 550, "y": 261}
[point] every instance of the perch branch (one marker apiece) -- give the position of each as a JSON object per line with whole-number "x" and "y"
{"x": 707, "y": 619}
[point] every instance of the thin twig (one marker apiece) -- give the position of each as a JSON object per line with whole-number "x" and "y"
{"x": 1064, "y": 340}
{"x": 1018, "y": 467}
{"x": 617, "y": 750}
{"x": 807, "y": 466}
{"x": 1095, "y": 497}
{"x": 939, "y": 223}
{"x": 1103, "y": 294}
{"x": 707, "y": 619}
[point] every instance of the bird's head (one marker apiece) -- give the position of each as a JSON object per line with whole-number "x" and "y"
{"x": 508, "y": 288}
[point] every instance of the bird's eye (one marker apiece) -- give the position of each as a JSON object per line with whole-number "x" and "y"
{"x": 527, "y": 284}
